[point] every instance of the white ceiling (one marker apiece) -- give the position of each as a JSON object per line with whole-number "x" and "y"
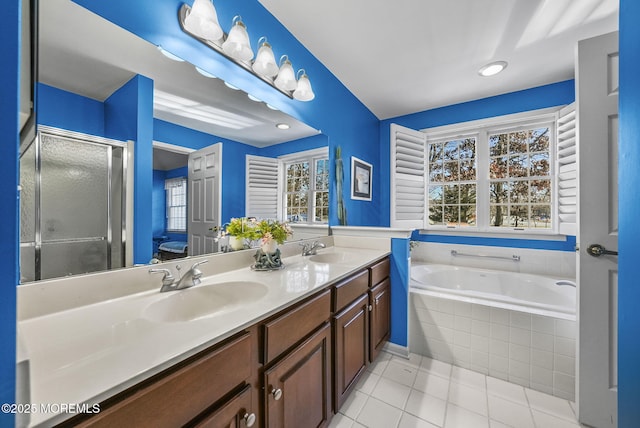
{"x": 405, "y": 56}
{"x": 397, "y": 57}
{"x": 85, "y": 54}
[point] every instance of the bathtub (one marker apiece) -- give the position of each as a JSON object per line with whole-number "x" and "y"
{"x": 535, "y": 294}
{"x": 517, "y": 327}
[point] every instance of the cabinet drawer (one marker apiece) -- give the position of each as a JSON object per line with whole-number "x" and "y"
{"x": 236, "y": 412}
{"x": 379, "y": 271}
{"x": 173, "y": 399}
{"x": 349, "y": 290}
{"x": 287, "y": 329}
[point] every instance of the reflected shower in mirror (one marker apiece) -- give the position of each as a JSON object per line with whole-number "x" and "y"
{"x": 83, "y": 73}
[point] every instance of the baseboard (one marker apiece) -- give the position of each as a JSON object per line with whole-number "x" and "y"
{"x": 399, "y": 350}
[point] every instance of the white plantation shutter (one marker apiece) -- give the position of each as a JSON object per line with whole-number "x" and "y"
{"x": 262, "y": 193}
{"x": 567, "y": 170}
{"x": 408, "y": 148}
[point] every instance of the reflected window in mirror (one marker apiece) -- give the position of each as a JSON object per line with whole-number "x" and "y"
{"x": 176, "y": 189}
{"x": 306, "y": 187}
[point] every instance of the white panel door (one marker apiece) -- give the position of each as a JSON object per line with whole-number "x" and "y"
{"x": 597, "y": 100}
{"x": 205, "y": 192}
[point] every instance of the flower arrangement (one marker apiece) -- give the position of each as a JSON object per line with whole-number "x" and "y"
{"x": 242, "y": 227}
{"x": 251, "y": 229}
{"x": 273, "y": 230}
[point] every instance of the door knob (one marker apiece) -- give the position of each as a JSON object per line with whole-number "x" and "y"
{"x": 597, "y": 250}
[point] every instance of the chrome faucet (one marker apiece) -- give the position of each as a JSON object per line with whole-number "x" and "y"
{"x": 310, "y": 249}
{"x": 189, "y": 279}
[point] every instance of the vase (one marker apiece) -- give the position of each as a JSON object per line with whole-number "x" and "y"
{"x": 269, "y": 247}
{"x": 236, "y": 243}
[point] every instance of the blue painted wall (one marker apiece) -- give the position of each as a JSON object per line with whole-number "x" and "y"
{"x": 567, "y": 244}
{"x": 128, "y": 115}
{"x": 9, "y": 243}
{"x": 629, "y": 209}
{"x": 69, "y": 111}
{"x": 334, "y": 111}
{"x": 400, "y": 291}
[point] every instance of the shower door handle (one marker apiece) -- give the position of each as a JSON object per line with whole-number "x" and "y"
{"x": 597, "y": 250}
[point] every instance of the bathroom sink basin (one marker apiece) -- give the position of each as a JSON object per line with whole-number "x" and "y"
{"x": 204, "y": 301}
{"x": 330, "y": 258}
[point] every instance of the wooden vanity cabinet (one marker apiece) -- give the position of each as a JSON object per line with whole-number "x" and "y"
{"x": 380, "y": 307}
{"x": 213, "y": 385}
{"x": 289, "y": 370}
{"x": 296, "y": 353}
{"x": 350, "y": 334}
{"x": 298, "y": 386}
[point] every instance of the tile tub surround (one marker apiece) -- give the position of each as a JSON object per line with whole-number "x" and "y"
{"x": 534, "y": 351}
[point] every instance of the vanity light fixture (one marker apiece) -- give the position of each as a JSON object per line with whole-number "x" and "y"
{"x": 201, "y": 22}
{"x": 265, "y": 63}
{"x": 282, "y": 126}
{"x": 492, "y": 68}
{"x": 303, "y": 91}
{"x": 237, "y": 44}
{"x": 286, "y": 80}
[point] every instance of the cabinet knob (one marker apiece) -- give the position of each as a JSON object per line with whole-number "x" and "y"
{"x": 370, "y": 308}
{"x": 249, "y": 419}
{"x": 277, "y": 393}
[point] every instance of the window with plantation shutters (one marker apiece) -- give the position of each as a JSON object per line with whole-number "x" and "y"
{"x": 262, "y": 190}
{"x": 567, "y": 167}
{"x": 407, "y": 177}
{"x": 513, "y": 174}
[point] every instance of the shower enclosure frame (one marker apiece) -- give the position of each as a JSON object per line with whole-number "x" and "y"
{"x": 109, "y": 145}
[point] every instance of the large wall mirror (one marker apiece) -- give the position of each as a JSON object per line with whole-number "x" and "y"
{"x": 77, "y": 184}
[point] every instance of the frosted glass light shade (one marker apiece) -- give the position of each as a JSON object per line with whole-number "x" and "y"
{"x": 265, "y": 63}
{"x": 202, "y": 21}
{"x": 303, "y": 91}
{"x": 237, "y": 44}
{"x": 286, "y": 80}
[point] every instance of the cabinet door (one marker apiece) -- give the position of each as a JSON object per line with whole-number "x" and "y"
{"x": 351, "y": 352}
{"x": 298, "y": 388}
{"x": 380, "y": 298}
{"x": 236, "y": 413}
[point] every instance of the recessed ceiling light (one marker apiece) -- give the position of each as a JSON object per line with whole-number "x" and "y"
{"x": 169, "y": 54}
{"x": 205, "y": 73}
{"x": 492, "y": 68}
{"x": 282, "y": 126}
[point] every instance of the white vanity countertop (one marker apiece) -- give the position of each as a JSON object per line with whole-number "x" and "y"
{"x": 89, "y": 353}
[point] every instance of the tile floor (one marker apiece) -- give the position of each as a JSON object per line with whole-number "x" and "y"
{"x": 423, "y": 393}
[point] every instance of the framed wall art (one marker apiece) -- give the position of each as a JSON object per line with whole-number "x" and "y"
{"x": 361, "y": 179}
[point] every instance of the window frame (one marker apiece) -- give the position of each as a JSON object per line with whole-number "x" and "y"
{"x": 481, "y": 129}
{"x": 310, "y": 156}
{"x": 168, "y": 205}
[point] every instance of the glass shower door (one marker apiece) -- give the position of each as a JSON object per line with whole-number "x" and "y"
{"x": 74, "y": 206}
